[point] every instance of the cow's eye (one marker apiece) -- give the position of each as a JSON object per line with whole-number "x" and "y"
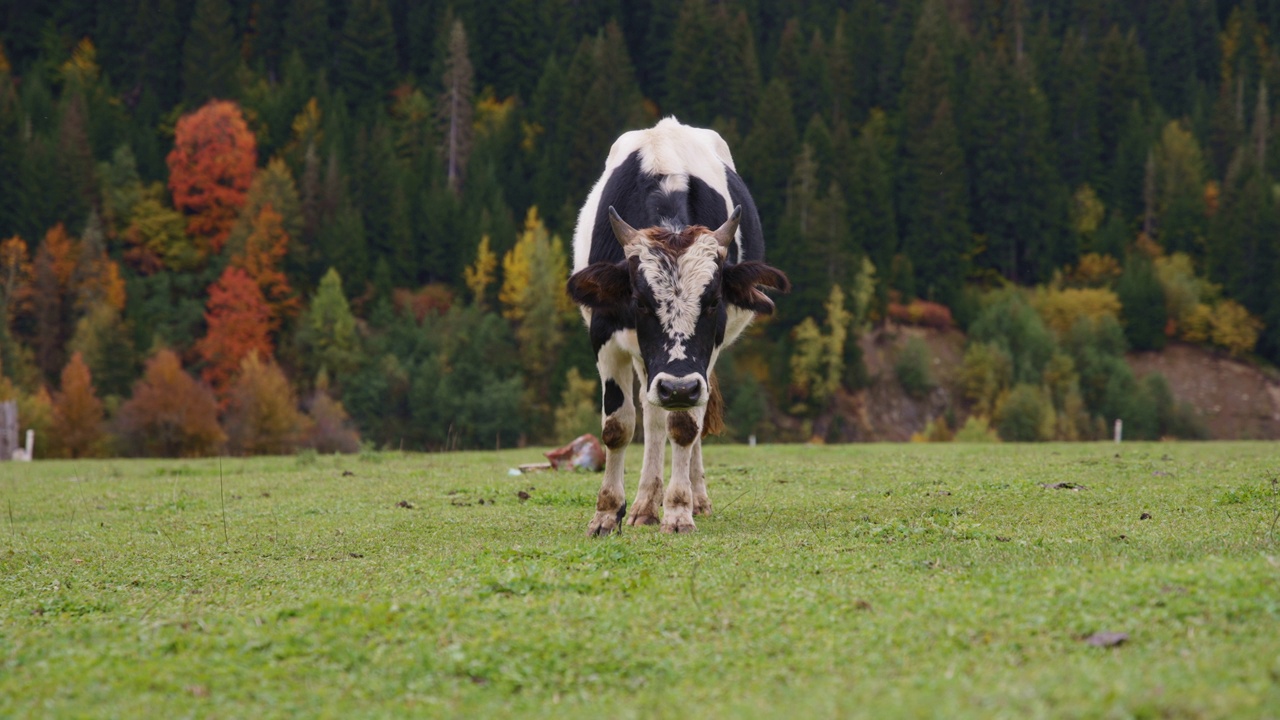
{"x": 643, "y": 307}
{"x": 711, "y": 305}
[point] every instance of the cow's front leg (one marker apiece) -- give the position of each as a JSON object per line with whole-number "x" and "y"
{"x": 645, "y": 511}
{"x": 618, "y": 422}
{"x": 683, "y": 427}
{"x": 698, "y": 478}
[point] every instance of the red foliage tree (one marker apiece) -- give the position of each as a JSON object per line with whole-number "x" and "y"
{"x": 210, "y": 168}
{"x": 264, "y": 249}
{"x": 77, "y": 413}
{"x": 169, "y": 414}
{"x": 239, "y": 322}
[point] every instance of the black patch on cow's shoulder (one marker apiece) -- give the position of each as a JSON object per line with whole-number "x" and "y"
{"x": 603, "y": 326}
{"x": 627, "y": 190}
{"x": 742, "y": 283}
{"x": 749, "y": 227}
{"x": 613, "y": 397}
{"x": 706, "y": 206}
{"x": 601, "y": 285}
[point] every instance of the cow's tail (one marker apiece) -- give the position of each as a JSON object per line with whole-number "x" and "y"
{"x": 713, "y": 420}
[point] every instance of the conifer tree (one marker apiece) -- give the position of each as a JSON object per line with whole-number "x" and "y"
{"x": 454, "y": 108}
{"x": 366, "y": 53}
{"x": 327, "y": 339}
{"x": 210, "y": 56}
{"x": 262, "y": 414}
{"x": 307, "y": 32}
{"x": 765, "y": 161}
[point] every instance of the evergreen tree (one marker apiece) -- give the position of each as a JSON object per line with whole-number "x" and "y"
{"x": 366, "y": 54}
{"x": 1142, "y": 299}
{"x": 765, "y": 161}
{"x": 1181, "y": 222}
{"x": 454, "y": 108}
{"x": 1171, "y": 48}
{"x": 872, "y": 221}
{"x": 210, "y": 56}
{"x": 307, "y": 32}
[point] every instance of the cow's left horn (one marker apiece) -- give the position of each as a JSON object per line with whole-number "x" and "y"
{"x": 726, "y": 232}
{"x": 621, "y": 230}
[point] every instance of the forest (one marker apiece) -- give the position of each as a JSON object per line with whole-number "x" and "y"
{"x": 265, "y": 226}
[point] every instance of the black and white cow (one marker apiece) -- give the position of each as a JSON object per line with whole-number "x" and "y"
{"x": 662, "y": 301}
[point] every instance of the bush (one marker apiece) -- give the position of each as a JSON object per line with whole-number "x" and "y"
{"x": 985, "y": 372}
{"x": 1145, "y": 313}
{"x": 579, "y": 410}
{"x": 262, "y": 415}
{"x": 912, "y": 368}
{"x": 921, "y": 313}
{"x": 1010, "y": 323}
{"x": 1025, "y": 415}
{"x": 1234, "y": 329}
{"x": 170, "y": 414}
{"x": 977, "y": 429}
{"x": 331, "y": 429}
{"x": 1061, "y": 308}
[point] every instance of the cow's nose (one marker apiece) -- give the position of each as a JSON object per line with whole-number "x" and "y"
{"x": 679, "y": 392}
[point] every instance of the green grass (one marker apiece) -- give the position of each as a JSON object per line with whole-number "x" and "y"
{"x": 856, "y": 581}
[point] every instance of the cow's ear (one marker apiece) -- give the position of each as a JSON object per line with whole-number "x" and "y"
{"x": 742, "y": 283}
{"x": 601, "y": 285}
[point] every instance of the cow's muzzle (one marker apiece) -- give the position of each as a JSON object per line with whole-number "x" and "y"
{"x": 681, "y": 393}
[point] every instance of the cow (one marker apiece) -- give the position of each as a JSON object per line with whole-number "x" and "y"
{"x": 662, "y": 294}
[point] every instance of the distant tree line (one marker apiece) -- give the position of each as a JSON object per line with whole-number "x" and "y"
{"x": 360, "y": 206}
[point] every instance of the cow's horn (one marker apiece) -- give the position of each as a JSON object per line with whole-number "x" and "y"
{"x": 621, "y": 230}
{"x": 725, "y": 234}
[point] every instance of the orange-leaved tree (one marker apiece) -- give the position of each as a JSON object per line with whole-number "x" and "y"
{"x": 51, "y": 297}
{"x": 260, "y": 258}
{"x": 262, "y": 417}
{"x": 169, "y": 414}
{"x": 210, "y": 169}
{"x": 77, "y": 413}
{"x": 239, "y": 323}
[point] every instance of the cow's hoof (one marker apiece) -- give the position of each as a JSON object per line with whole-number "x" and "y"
{"x": 604, "y": 523}
{"x": 679, "y": 526}
{"x": 643, "y": 519}
{"x": 702, "y": 506}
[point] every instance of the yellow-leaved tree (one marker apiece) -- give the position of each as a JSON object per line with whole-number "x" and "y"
{"x": 533, "y": 296}
{"x": 480, "y": 275}
{"x": 817, "y": 365}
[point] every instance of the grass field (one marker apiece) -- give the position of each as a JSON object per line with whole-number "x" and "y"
{"x": 854, "y": 581}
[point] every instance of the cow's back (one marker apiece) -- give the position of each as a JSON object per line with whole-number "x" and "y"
{"x": 670, "y": 174}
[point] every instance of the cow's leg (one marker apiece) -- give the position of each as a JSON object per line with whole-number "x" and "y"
{"x": 698, "y": 479}
{"x": 618, "y": 419}
{"x": 649, "y": 495}
{"x": 684, "y": 428}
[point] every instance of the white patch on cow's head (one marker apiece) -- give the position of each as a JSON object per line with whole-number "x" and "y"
{"x": 677, "y": 285}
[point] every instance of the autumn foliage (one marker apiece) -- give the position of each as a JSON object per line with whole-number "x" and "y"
{"x": 239, "y": 322}
{"x": 263, "y": 417}
{"x": 170, "y": 414}
{"x": 77, "y": 413}
{"x": 263, "y": 252}
{"x": 210, "y": 169}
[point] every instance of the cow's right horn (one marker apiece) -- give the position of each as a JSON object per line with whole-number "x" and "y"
{"x": 726, "y": 232}
{"x": 621, "y": 230}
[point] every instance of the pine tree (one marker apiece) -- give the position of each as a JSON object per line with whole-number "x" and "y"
{"x": 1181, "y": 221}
{"x": 1171, "y": 48}
{"x": 366, "y": 53}
{"x": 872, "y": 220}
{"x": 454, "y": 108}
{"x": 307, "y": 32}
{"x": 210, "y": 57}
{"x": 765, "y": 162}
{"x": 327, "y": 339}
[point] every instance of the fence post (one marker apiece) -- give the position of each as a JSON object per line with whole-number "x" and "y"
{"x": 8, "y": 429}
{"x": 1119, "y": 429}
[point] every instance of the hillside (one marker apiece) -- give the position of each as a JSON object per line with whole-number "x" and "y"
{"x": 1234, "y": 400}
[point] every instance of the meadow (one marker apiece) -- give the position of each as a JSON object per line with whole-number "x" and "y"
{"x": 946, "y": 580}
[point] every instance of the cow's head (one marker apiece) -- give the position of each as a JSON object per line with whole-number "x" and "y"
{"x": 676, "y": 288}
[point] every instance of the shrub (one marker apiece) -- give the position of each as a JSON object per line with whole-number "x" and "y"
{"x": 35, "y": 412}
{"x": 262, "y": 415}
{"x": 985, "y": 372}
{"x": 1009, "y": 322}
{"x": 1234, "y": 329}
{"x": 579, "y": 410}
{"x": 977, "y": 429}
{"x": 1145, "y": 313}
{"x": 1061, "y": 308}
{"x": 1094, "y": 270}
{"x": 1025, "y": 415}
{"x": 331, "y": 429}
{"x": 912, "y": 368}
{"x": 921, "y": 313}
{"x": 169, "y": 414}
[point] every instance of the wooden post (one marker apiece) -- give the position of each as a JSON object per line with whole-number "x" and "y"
{"x": 8, "y": 429}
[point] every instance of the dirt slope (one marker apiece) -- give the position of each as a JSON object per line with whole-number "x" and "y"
{"x": 1236, "y": 400}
